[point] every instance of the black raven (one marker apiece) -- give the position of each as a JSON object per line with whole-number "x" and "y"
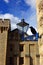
{"x": 33, "y": 30}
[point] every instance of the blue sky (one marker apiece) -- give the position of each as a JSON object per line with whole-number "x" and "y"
{"x": 15, "y": 10}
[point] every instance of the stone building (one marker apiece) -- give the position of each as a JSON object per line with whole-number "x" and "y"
{"x": 16, "y": 46}
{"x": 19, "y": 48}
{"x": 39, "y": 9}
{"x": 4, "y": 27}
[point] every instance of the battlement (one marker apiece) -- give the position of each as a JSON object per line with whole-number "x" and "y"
{"x": 5, "y": 23}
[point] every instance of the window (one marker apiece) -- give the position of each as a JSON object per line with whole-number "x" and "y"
{"x": 21, "y": 60}
{"x": 1, "y": 29}
{"x": 21, "y": 47}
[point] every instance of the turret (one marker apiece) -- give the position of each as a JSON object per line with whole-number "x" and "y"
{"x": 4, "y": 28}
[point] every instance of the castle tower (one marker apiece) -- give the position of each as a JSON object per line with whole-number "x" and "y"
{"x": 4, "y": 27}
{"x": 39, "y": 7}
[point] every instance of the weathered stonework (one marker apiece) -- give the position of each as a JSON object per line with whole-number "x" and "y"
{"x": 39, "y": 7}
{"x": 4, "y": 27}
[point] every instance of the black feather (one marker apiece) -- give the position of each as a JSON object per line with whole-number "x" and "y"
{"x": 33, "y": 30}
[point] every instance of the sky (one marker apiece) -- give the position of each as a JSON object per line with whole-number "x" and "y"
{"x": 15, "y": 10}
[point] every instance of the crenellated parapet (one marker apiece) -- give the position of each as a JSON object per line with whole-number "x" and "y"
{"x": 5, "y": 23}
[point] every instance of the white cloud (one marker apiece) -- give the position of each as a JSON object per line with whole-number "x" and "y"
{"x": 14, "y": 20}
{"x": 7, "y": 1}
{"x": 29, "y": 32}
{"x": 32, "y": 3}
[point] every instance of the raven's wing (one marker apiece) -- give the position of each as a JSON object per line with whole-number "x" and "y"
{"x": 33, "y": 30}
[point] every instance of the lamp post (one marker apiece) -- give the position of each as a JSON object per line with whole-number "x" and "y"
{"x": 23, "y": 27}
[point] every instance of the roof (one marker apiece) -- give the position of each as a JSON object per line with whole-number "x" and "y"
{"x": 22, "y": 23}
{"x": 19, "y": 31}
{"x": 25, "y": 36}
